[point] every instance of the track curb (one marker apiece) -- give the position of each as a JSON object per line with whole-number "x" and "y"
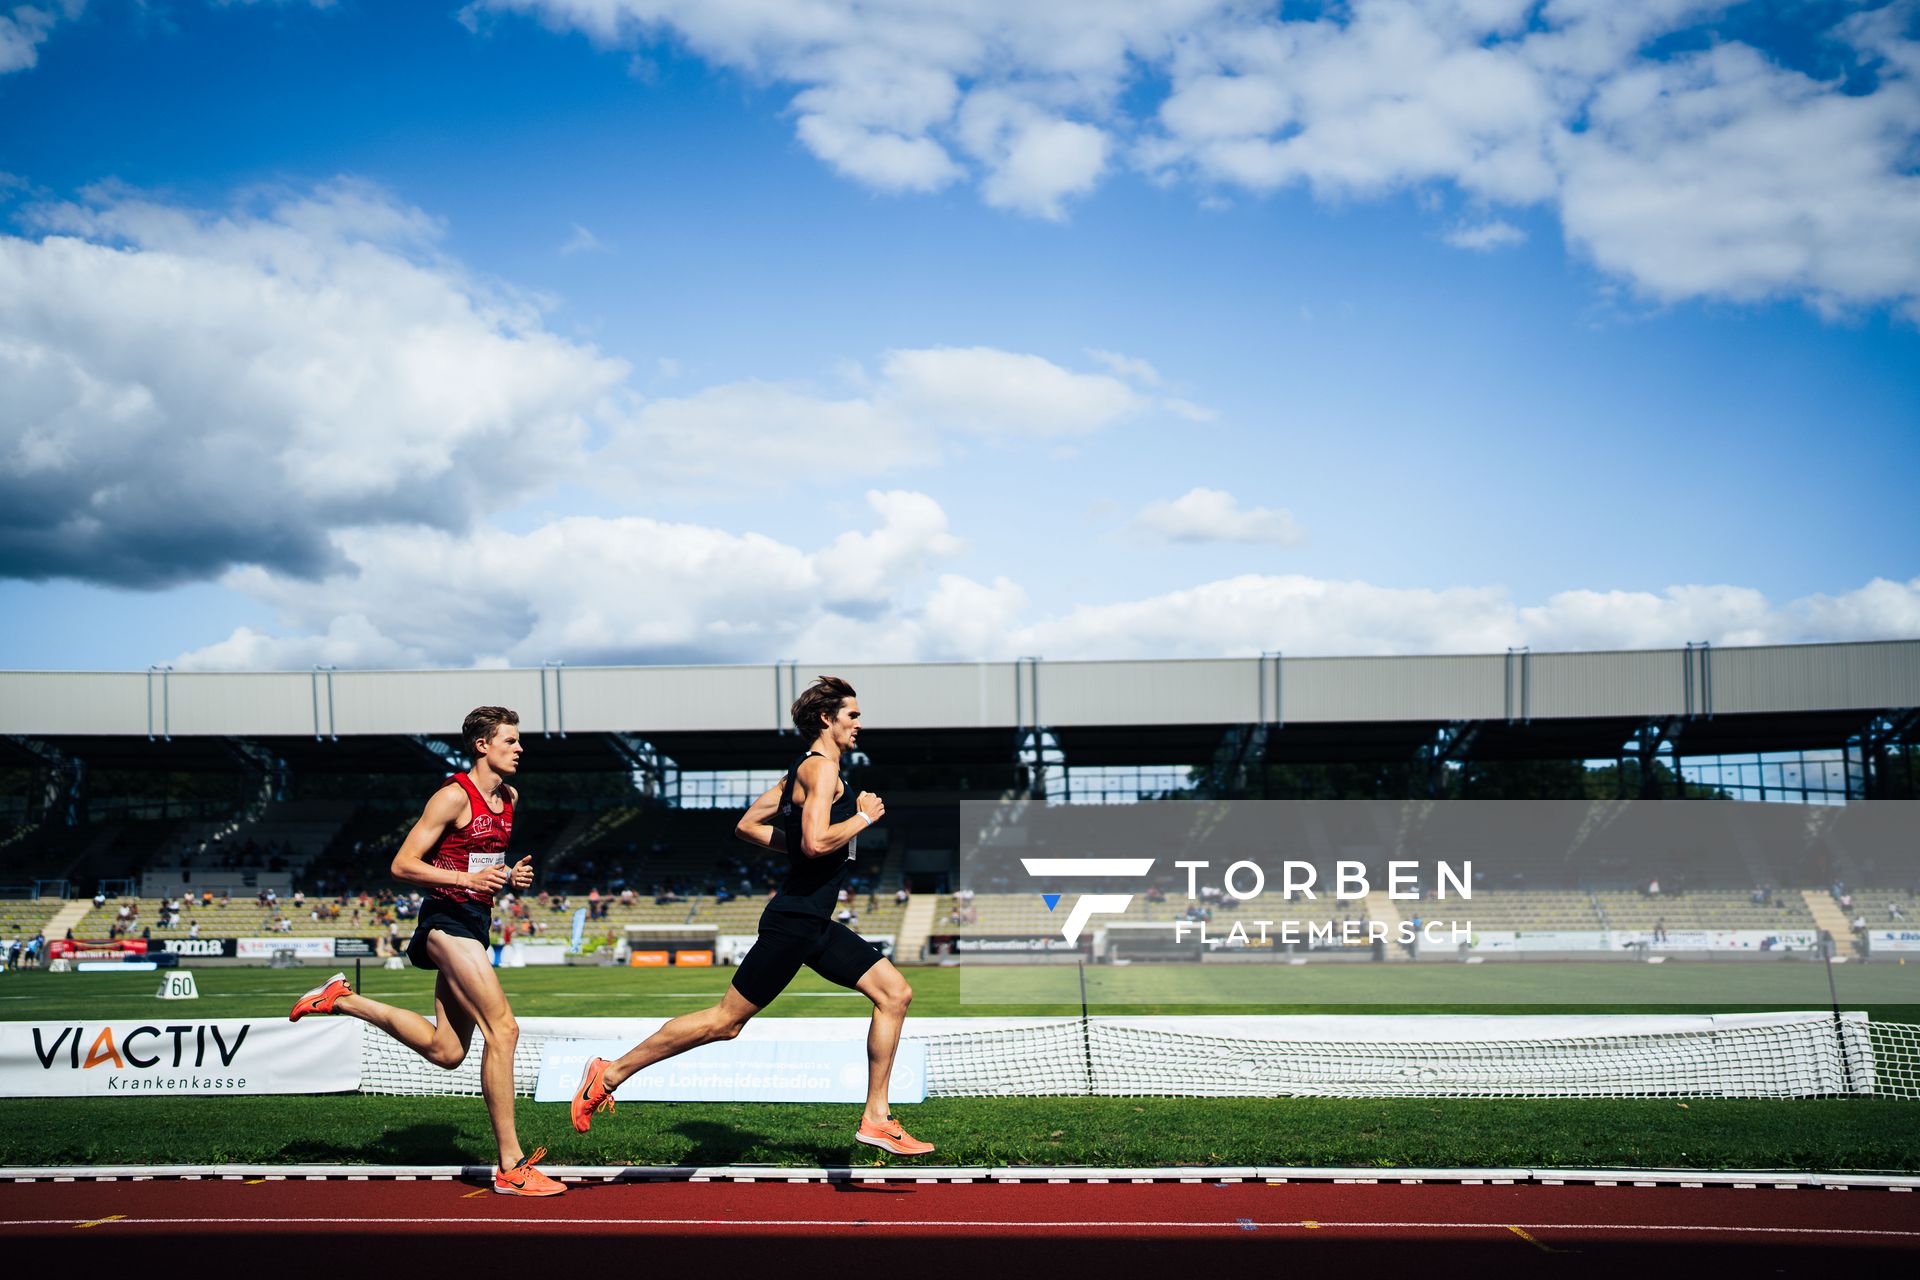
{"x": 1738, "y": 1179}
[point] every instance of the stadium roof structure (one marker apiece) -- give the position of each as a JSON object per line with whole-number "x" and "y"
{"x": 1519, "y": 705}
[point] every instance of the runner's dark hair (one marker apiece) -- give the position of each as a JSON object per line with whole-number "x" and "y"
{"x": 824, "y": 697}
{"x": 483, "y": 722}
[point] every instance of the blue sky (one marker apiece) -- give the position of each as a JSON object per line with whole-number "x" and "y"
{"x": 633, "y": 330}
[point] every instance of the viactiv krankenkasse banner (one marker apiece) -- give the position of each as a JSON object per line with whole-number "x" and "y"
{"x": 127, "y": 1057}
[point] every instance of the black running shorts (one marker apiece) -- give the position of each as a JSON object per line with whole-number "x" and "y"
{"x": 787, "y": 941}
{"x": 456, "y": 920}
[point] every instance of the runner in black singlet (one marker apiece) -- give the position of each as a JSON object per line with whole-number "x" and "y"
{"x": 811, "y": 819}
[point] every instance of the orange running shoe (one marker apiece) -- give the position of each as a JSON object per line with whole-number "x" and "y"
{"x": 321, "y": 998}
{"x": 525, "y": 1180}
{"x": 891, "y": 1137}
{"x": 592, "y": 1095}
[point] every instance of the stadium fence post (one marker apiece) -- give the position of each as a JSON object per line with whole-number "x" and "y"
{"x": 1827, "y": 944}
{"x": 356, "y": 973}
{"x": 1086, "y": 1031}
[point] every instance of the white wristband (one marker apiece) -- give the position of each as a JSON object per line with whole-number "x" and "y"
{"x": 862, "y": 815}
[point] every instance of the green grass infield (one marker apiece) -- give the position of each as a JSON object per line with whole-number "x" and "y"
{"x": 1850, "y": 1134}
{"x": 1846, "y": 1134}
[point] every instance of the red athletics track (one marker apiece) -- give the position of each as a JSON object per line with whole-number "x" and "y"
{"x": 937, "y": 1229}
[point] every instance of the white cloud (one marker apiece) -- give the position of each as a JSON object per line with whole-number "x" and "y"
{"x": 188, "y": 391}
{"x": 1132, "y": 368}
{"x": 1722, "y": 174}
{"x": 1484, "y": 237}
{"x": 26, "y": 28}
{"x": 1212, "y": 515}
{"x": 1709, "y": 174}
{"x": 1035, "y": 159}
{"x": 191, "y": 391}
{"x": 1002, "y": 393}
{"x": 1308, "y": 616}
{"x": 738, "y": 434}
{"x": 1188, "y": 409}
{"x": 582, "y": 241}
{"x": 636, "y": 590}
{"x": 588, "y": 589}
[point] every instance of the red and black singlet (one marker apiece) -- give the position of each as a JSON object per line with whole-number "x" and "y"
{"x": 482, "y": 843}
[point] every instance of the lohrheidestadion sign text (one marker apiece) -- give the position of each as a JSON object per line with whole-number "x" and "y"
{"x": 745, "y": 1070}
{"x": 126, "y": 1057}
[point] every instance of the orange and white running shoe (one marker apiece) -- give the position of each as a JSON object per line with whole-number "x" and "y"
{"x": 891, "y": 1137}
{"x": 321, "y": 998}
{"x": 525, "y": 1180}
{"x": 592, "y": 1095}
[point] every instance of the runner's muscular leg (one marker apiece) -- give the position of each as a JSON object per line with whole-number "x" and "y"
{"x": 887, "y": 987}
{"x": 469, "y": 978}
{"x": 443, "y": 1042}
{"x": 688, "y": 1031}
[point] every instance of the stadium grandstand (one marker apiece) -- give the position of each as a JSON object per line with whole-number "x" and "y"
{"x": 174, "y": 806}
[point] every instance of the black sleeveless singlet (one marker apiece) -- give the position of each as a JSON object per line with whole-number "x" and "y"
{"x": 812, "y": 886}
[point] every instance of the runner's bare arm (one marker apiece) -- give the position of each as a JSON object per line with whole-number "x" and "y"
{"x": 756, "y": 824}
{"x": 410, "y": 864}
{"x": 522, "y": 870}
{"x": 819, "y": 834}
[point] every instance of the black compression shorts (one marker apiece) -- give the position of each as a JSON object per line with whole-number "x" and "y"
{"x": 789, "y": 940}
{"x": 456, "y": 920}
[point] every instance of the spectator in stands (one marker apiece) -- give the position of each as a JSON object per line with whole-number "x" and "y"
{"x": 900, "y": 896}
{"x": 1894, "y": 912}
{"x": 1659, "y": 930}
{"x": 193, "y": 929}
{"x": 1860, "y": 923}
{"x": 99, "y": 898}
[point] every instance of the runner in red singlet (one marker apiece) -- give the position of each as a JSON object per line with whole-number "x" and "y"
{"x": 457, "y": 853}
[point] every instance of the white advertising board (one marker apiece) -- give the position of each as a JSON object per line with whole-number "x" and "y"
{"x": 302, "y": 948}
{"x": 126, "y": 1057}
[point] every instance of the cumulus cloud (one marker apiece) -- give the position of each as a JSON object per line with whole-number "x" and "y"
{"x": 191, "y": 391}
{"x": 1484, "y": 237}
{"x": 1212, "y": 515}
{"x": 1302, "y": 615}
{"x": 588, "y": 589}
{"x": 637, "y": 590}
{"x": 26, "y": 28}
{"x": 1714, "y": 172}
